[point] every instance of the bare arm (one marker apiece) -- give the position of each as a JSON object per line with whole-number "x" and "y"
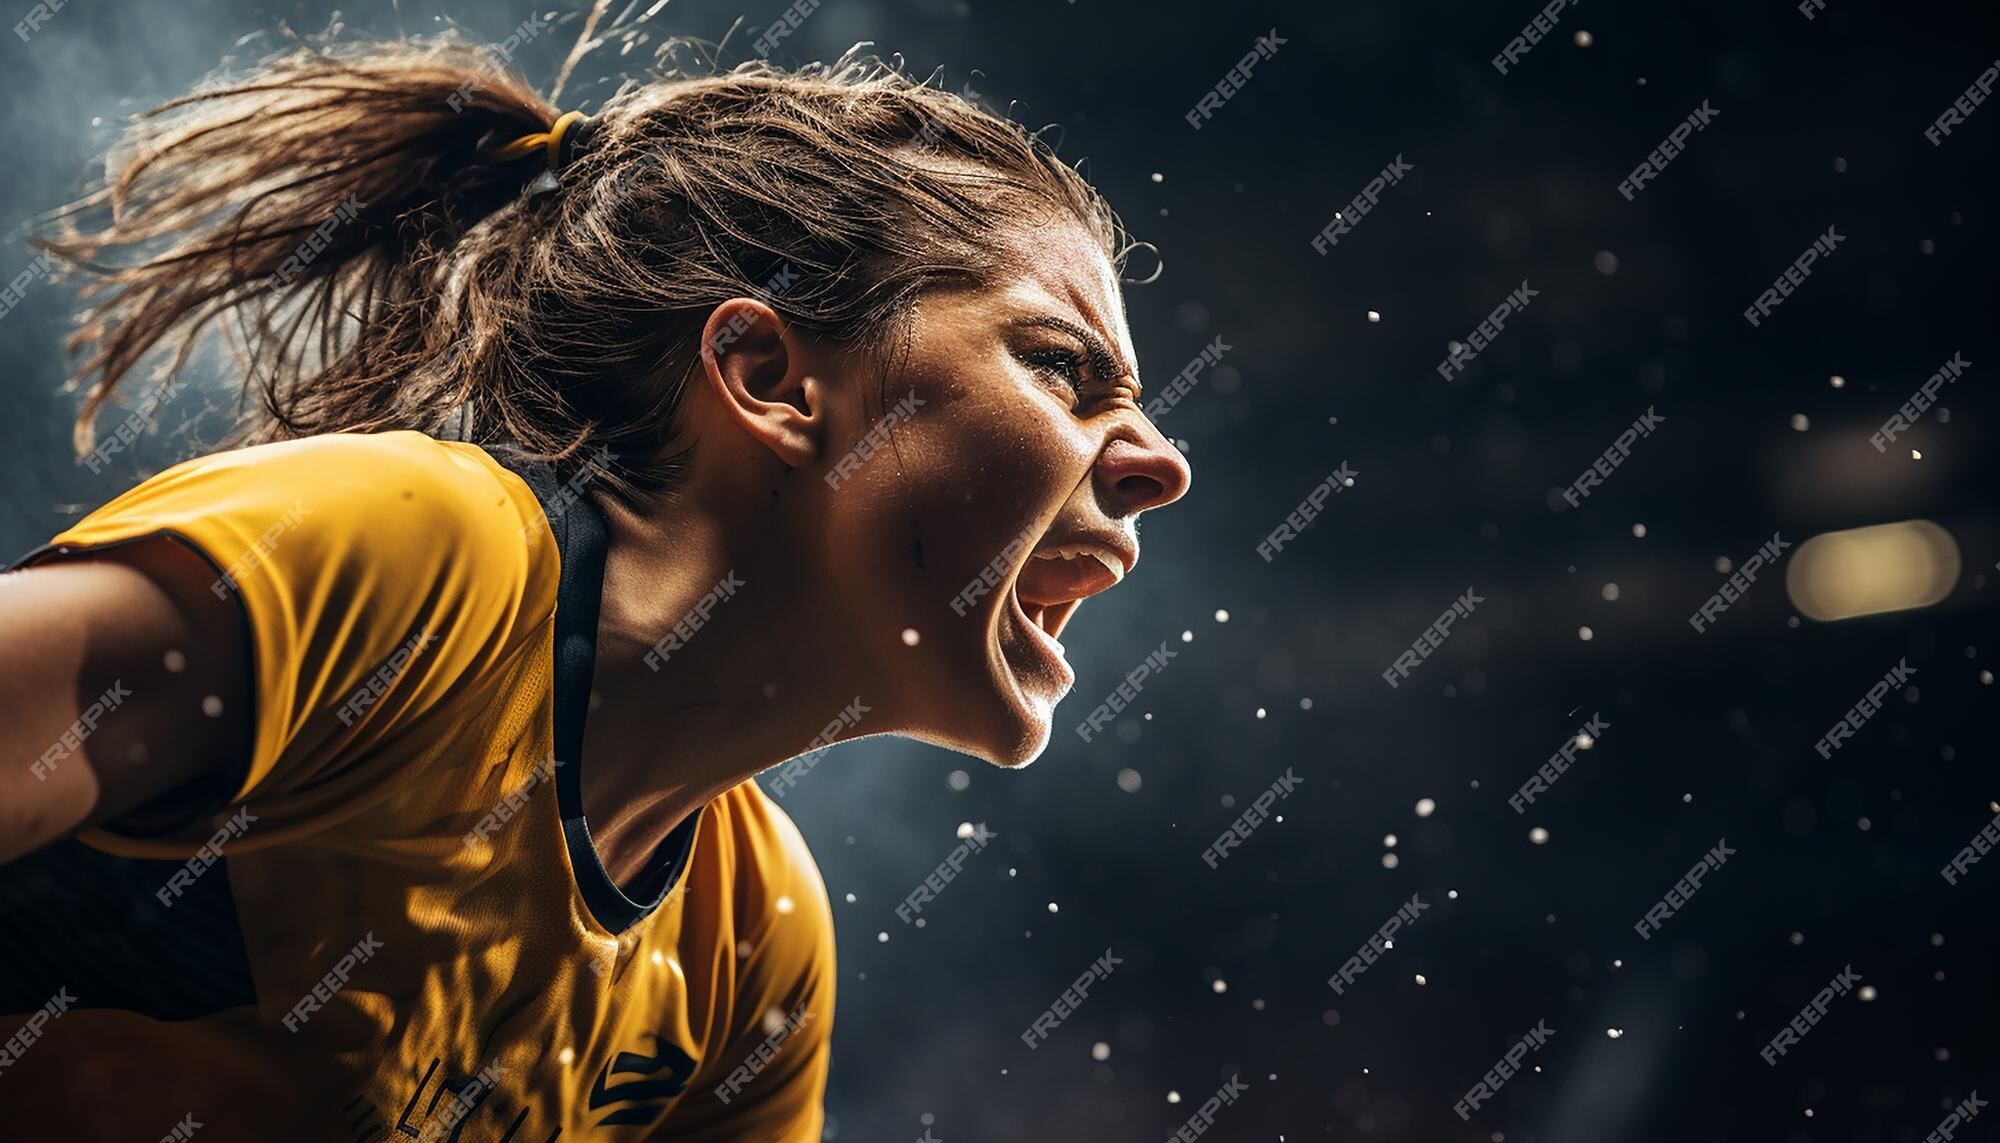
{"x": 122, "y": 678}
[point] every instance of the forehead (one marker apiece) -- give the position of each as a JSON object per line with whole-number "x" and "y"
{"x": 1060, "y": 268}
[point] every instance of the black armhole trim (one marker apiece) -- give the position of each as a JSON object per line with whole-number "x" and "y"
{"x": 581, "y": 537}
{"x": 227, "y": 780}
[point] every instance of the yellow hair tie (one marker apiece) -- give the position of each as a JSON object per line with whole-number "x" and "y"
{"x": 550, "y": 141}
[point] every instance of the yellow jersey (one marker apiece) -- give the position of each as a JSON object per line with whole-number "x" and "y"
{"x": 393, "y": 924}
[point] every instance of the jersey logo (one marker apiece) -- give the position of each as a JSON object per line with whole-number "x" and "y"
{"x": 647, "y": 1097}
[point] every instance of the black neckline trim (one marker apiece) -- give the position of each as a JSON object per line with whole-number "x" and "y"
{"x": 582, "y": 538}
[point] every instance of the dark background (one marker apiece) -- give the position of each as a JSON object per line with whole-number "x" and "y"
{"x": 1711, "y": 736}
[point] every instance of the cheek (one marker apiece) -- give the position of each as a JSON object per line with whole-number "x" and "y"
{"x": 949, "y": 486}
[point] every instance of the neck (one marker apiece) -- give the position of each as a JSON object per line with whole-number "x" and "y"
{"x": 708, "y": 670}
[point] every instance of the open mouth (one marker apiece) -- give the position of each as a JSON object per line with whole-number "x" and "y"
{"x": 1059, "y": 574}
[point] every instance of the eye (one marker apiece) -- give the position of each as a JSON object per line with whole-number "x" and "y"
{"x": 1066, "y": 365}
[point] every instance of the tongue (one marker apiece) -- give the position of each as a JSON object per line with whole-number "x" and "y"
{"x": 1044, "y": 582}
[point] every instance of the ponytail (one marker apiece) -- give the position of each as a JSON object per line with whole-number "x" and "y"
{"x": 387, "y": 260}
{"x": 312, "y": 201}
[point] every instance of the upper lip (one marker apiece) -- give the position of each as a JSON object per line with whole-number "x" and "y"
{"x": 1066, "y": 568}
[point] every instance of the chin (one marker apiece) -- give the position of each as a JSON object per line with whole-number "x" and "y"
{"x": 1010, "y": 732}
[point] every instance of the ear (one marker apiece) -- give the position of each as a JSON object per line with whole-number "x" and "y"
{"x": 756, "y": 367}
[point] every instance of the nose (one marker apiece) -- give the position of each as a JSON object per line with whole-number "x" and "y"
{"x": 1142, "y": 470}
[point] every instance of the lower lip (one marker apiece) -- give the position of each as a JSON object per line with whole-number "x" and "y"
{"x": 1051, "y": 651}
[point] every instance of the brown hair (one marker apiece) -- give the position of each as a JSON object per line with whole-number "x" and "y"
{"x": 381, "y": 270}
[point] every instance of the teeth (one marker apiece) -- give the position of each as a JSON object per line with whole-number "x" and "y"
{"x": 1067, "y": 552}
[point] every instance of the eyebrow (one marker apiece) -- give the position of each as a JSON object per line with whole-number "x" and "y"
{"x": 1100, "y": 355}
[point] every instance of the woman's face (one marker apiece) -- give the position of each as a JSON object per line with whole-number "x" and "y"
{"x": 985, "y": 489}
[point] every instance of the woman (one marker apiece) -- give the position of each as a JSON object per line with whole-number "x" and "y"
{"x": 601, "y": 464}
